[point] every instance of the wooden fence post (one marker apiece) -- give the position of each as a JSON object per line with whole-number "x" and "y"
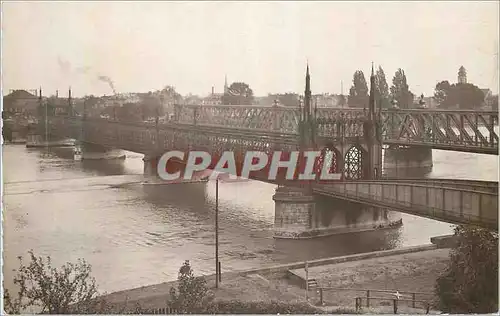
{"x": 367, "y": 298}
{"x": 395, "y": 305}
{"x": 413, "y": 299}
{"x": 220, "y": 272}
{"x": 307, "y": 279}
{"x": 321, "y": 296}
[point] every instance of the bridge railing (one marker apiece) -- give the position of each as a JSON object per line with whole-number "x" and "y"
{"x": 450, "y": 127}
{"x": 453, "y": 128}
{"x": 369, "y": 292}
{"x": 475, "y": 185}
{"x": 449, "y": 204}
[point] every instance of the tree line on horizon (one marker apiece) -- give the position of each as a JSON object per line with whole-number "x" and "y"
{"x": 447, "y": 96}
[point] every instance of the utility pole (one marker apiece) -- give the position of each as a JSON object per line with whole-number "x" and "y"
{"x": 46, "y": 127}
{"x": 217, "y": 232}
{"x": 342, "y": 94}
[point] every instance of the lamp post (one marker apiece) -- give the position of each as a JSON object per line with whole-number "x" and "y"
{"x": 217, "y": 269}
{"x": 394, "y": 103}
{"x": 422, "y": 102}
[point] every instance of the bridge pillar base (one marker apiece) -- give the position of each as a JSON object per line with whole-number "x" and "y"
{"x": 407, "y": 161}
{"x": 150, "y": 166}
{"x": 335, "y": 216}
{"x": 173, "y": 166}
{"x": 37, "y": 140}
{"x": 293, "y": 211}
{"x": 300, "y": 215}
{"x": 98, "y": 152}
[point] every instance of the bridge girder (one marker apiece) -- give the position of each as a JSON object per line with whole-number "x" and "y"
{"x": 460, "y": 130}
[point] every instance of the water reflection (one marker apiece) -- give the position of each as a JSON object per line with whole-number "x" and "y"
{"x": 190, "y": 197}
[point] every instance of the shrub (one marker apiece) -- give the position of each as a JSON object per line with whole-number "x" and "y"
{"x": 192, "y": 292}
{"x": 67, "y": 290}
{"x": 271, "y": 307}
{"x": 470, "y": 283}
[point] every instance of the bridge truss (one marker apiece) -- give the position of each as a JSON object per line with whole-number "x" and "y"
{"x": 458, "y": 130}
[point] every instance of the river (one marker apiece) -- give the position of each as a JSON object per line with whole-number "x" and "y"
{"x": 136, "y": 235}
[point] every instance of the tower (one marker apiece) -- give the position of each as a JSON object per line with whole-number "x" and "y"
{"x": 225, "y": 84}
{"x": 307, "y": 96}
{"x": 372, "y": 134}
{"x": 307, "y": 124}
{"x": 462, "y": 75}
{"x": 372, "y": 95}
{"x": 70, "y": 104}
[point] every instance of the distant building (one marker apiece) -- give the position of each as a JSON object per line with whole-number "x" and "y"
{"x": 21, "y": 101}
{"x": 489, "y": 99}
{"x": 192, "y": 100}
{"x": 487, "y": 94}
{"x": 327, "y": 100}
{"x": 213, "y": 98}
{"x": 462, "y": 75}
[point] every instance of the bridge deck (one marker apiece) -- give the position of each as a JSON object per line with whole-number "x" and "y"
{"x": 442, "y": 200}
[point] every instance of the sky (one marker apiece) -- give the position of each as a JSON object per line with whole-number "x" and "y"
{"x": 144, "y": 46}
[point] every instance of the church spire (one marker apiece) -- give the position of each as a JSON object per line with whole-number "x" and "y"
{"x": 225, "y": 84}
{"x": 371, "y": 107}
{"x": 307, "y": 95}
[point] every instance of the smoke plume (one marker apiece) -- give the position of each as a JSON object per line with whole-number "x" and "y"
{"x": 108, "y": 81}
{"x": 82, "y": 70}
{"x": 64, "y": 65}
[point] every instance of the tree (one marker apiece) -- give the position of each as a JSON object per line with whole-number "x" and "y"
{"x": 238, "y": 93}
{"x": 470, "y": 283}
{"x": 463, "y": 95}
{"x": 289, "y": 99}
{"x": 400, "y": 90}
{"x": 67, "y": 290}
{"x": 169, "y": 96}
{"x": 494, "y": 102}
{"x": 441, "y": 92}
{"x": 382, "y": 88}
{"x": 192, "y": 294}
{"x": 7, "y": 131}
{"x": 358, "y": 94}
{"x": 342, "y": 100}
{"x": 150, "y": 106}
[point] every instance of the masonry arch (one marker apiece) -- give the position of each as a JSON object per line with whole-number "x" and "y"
{"x": 331, "y": 156}
{"x": 354, "y": 163}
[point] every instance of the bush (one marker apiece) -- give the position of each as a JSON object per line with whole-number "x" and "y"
{"x": 272, "y": 307}
{"x": 470, "y": 283}
{"x": 192, "y": 293}
{"x": 67, "y": 290}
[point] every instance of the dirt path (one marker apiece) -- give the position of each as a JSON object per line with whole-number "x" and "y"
{"x": 408, "y": 272}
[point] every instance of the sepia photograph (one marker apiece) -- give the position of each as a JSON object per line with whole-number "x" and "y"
{"x": 249, "y": 157}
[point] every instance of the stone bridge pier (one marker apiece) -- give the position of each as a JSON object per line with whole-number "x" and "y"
{"x": 401, "y": 161}
{"x": 299, "y": 215}
{"x": 151, "y": 166}
{"x": 92, "y": 151}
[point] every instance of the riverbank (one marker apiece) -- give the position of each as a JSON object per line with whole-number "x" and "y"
{"x": 411, "y": 271}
